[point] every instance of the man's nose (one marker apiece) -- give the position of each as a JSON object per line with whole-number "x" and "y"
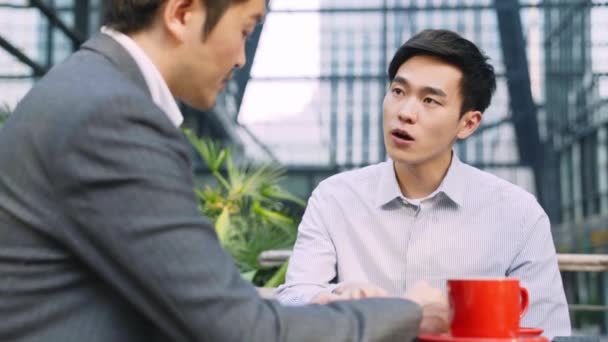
{"x": 408, "y": 111}
{"x": 241, "y": 58}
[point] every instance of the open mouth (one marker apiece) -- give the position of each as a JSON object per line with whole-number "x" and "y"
{"x": 401, "y": 134}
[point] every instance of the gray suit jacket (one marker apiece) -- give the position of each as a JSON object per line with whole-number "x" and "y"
{"x": 101, "y": 238}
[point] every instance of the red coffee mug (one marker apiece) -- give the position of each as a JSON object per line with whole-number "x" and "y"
{"x": 486, "y": 307}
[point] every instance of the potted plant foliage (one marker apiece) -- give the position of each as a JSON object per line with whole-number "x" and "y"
{"x": 251, "y": 212}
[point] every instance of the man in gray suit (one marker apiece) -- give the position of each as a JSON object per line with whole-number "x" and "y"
{"x": 100, "y": 235}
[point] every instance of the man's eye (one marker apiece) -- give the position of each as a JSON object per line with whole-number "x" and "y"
{"x": 397, "y": 91}
{"x": 247, "y": 34}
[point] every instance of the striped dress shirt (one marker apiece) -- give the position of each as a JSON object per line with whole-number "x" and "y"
{"x": 358, "y": 227}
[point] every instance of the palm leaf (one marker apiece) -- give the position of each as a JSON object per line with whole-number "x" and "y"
{"x": 279, "y": 276}
{"x": 274, "y": 192}
{"x": 221, "y": 156}
{"x": 235, "y": 176}
{"x": 274, "y": 217}
{"x": 208, "y": 150}
{"x": 248, "y": 275}
{"x": 211, "y": 154}
{"x": 222, "y": 225}
{"x": 255, "y": 179}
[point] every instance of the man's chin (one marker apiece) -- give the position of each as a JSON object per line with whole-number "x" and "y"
{"x": 402, "y": 158}
{"x": 201, "y": 103}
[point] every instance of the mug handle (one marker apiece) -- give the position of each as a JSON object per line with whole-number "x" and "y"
{"x": 524, "y": 301}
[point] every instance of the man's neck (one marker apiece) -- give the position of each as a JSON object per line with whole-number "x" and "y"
{"x": 148, "y": 41}
{"x": 420, "y": 180}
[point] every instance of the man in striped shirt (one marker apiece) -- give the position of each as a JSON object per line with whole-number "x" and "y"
{"x": 425, "y": 215}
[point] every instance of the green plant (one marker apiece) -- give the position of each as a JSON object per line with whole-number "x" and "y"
{"x": 251, "y": 212}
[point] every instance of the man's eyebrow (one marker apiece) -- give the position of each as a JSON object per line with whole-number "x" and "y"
{"x": 400, "y": 80}
{"x": 257, "y": 18}
{"x": 427, "y": 89}
{"x": 434, "y": 91}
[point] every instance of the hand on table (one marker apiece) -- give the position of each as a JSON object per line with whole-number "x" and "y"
{"x": 349, "y": 291}
{"x": 435, "y": 307}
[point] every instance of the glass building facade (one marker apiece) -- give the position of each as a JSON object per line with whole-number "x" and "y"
{"x": 576, "y": 59}
{"x": 331, "y": 84}
{"x": 34, "y": 35}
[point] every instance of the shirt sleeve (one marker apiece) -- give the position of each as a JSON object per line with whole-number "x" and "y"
{"x": 312, "y": 265}
{"x": 536, "y": 267}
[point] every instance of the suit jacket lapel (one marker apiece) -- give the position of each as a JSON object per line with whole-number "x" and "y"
{"x": 117, "y": 54}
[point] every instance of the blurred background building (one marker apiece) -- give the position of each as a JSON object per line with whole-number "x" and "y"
{"x": 311, "y": 95}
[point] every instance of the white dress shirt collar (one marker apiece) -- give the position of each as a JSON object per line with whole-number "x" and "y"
{"x": 156, "y": 83}
{"x": 451, "y": 185}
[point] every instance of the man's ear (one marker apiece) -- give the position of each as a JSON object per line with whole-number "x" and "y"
{"x": 178, "y": 15}
{"x": 468, "y": 124}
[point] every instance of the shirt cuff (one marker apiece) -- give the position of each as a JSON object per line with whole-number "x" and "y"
{"x": 301, "y": 293}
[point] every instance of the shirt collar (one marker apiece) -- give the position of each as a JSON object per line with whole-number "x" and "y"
{"x": 161, "y": 95}
{"x": 388, "y": 187}
{"x": 451, "y": 186}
